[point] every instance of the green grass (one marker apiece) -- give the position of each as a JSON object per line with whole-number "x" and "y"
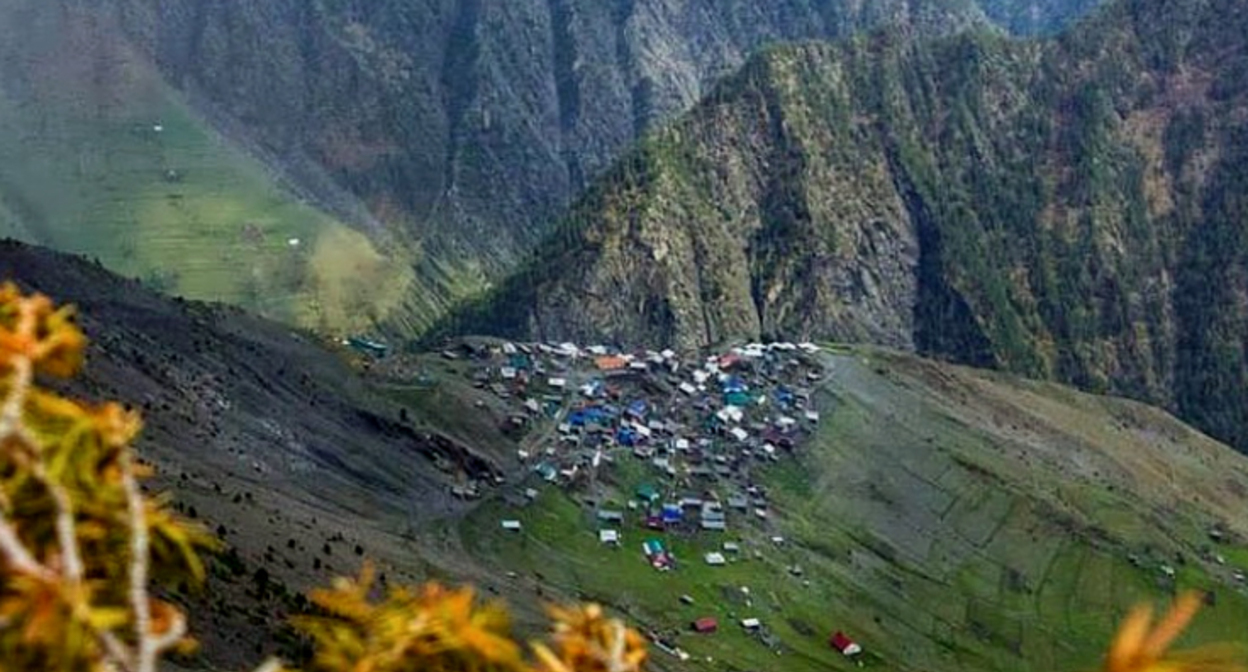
{"x": 920, "y": 532}
{"x": 85, "y": 170}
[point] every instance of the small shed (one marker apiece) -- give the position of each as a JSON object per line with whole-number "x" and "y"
{"x": 512, "y": 525}
{"x": 751, "y": 623}
{"x": 715, "y": 559}
{"x": 368, "y": 346}
{"x": 610, "y": 363}
{"x": 609, "y": 537}
{"x": 841, "y": 642}
{"x": 705, "y": 625}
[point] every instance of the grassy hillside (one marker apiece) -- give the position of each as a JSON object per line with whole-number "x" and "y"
{"x": 948, "y": 519}
{"x": 98, "y": 155}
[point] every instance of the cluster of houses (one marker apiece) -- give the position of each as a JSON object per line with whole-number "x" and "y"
{"x": 696, "y": 428}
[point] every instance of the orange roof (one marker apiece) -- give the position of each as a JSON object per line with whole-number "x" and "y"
{"x": 610, "y": 362}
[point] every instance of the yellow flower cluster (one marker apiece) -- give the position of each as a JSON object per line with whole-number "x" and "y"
{"x": 78, "y": 539}
{"x": 437, "y": 629}
{"x": 1141, "y": 646}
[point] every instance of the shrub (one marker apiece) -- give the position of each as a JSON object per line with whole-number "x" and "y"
{"x": 81, "y": 544}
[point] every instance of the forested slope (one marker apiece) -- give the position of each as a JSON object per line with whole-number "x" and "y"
{"x": 1071, "y": 208}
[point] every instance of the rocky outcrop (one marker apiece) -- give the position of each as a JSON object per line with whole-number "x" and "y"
{"x": 1069, "y": 209}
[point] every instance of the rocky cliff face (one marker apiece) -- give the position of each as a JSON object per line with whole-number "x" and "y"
{"x": 467, "y": 125}
{"x": 1070, "y": 209}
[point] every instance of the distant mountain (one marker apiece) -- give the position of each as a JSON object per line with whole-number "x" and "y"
{"x": 449, "y": 132}
{"x": 1070, "y": 208}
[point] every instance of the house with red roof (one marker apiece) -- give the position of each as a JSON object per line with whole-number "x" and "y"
{"x": 705, "y": 625}
{"x": 841, "y": 642}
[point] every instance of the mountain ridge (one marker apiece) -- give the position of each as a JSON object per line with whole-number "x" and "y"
{"x": 437, "y": 137}
{"x": 1046, "y": 207}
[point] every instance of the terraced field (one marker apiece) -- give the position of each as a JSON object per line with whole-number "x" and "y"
{"x": 101, "y": 157}
{"x": 947, "y": 519}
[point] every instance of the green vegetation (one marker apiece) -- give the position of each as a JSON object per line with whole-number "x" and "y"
{"x": 184, "y": 211}
{"x": 1032, "y": 17}
{"x": 1055, "y": 208}
{"x": 102, "y": 158}
{"x": 946, "y": 520}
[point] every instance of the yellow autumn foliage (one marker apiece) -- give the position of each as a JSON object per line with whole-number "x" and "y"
{"x": 437, "y": 629}
{"x": 80, "y": 542}
{"x": 81, "y": 546}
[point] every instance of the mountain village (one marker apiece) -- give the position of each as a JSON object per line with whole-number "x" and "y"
{"x": 653, "y": 444}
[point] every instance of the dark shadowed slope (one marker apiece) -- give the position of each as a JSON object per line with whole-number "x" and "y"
{"x": 266, "y": 433}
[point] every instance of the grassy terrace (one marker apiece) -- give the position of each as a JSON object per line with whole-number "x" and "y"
{"x": 948, "y": 520}
{"x": 125, "y": 173}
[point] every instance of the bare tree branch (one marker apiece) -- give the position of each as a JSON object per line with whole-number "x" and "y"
{"x": 66, "y": 534}
{"x": 138, "y": 570}
{"x": 18, "y": 438}
{"x": 270, "y": 665}
{"x": 116, "y": 652}
{"x": 16, "y": 555}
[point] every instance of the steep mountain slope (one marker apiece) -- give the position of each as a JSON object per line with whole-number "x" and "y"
{"x": 1034, "y": 17}
{"x": 98, "y": 155}
{"x": 1069, "y": 209}
{"x": 947, "y": 519}
{"x": 447, "y": 131}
